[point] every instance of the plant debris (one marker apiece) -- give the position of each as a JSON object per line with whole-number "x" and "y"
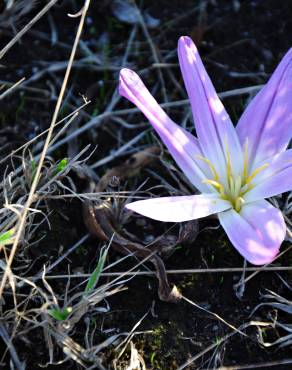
{"x": 102, "y": 218}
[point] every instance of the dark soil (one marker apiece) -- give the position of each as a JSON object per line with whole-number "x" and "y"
{"x": 234, "y": 38}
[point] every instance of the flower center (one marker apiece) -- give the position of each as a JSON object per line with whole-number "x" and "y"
{"x": 235, "y": 186}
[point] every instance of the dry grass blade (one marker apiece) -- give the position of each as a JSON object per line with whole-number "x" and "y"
{"x": 221, "y": 341}
{"x": 27, "y": 27}
{"x": 213, "y": 314}
{"x": 169, "y": 272}
{"x": 11, "y": 88}
{"x": 278, "y": 304}
{"x": 22, "y": 221}
{"x": 136, "y": 360}
{"x": 7, "y": 340}
{"x": 59, "y": 303}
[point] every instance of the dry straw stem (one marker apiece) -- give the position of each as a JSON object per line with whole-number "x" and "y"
{"x": 26, "y": 28}
{"x": 11, "y": 88}
{"x": 22, "y": 221}
{"x": 213, "y": 314}
{"x": 255, "y": 270}
{"x": 174, "y": 272}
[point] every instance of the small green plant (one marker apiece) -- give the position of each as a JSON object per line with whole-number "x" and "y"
{"x": 60, "y": 314}
{"x": 61, "y": 165}
{"x": 7, "y": 237}
{"x": 93, "y": 280}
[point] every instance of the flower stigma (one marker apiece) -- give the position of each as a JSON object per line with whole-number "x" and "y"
{"x": 236, "y": 185}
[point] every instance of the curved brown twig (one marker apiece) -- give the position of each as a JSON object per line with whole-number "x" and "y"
{"x": 101, "y": 221}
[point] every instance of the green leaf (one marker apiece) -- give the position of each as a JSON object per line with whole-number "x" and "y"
{"x": 33, "y": 165}
{"x": 7, "y": 237}
{"x": 153, "y": 354}
{"x": 60, "y": 315}
{"x": 97, "y": 271}
{"x": 61, "y": 165}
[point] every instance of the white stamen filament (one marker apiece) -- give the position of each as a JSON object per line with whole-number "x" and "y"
{"x": 236, "y": 186}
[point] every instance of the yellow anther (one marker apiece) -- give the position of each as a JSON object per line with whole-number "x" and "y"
{"x": 211, "y": 166}
{"x": 255, "y": 172}
{"x": 217, "y": 185}
{"x": 234, "y": 186}
{"x": 238, "y": 204}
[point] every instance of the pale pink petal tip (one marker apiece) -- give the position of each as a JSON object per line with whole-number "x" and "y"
{"x": 257, "y": 232}
{"x": 181, "y": 144}
{"x": 213, "y": 125}
{"x": 127, "y": 79}
{"x": 186, "y": 40}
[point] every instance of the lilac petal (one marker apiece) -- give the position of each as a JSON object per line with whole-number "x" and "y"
{"x": 274, "y": 180}
{"x": 266, "y": 123}
{"x": 215, "y": 131}
{"x": 179, "y": 209}
{"x": 182, "y": 145}
{"x": 256, "y": 232}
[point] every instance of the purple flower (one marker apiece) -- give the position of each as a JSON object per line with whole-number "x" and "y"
{"x": 234, "y": 169}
